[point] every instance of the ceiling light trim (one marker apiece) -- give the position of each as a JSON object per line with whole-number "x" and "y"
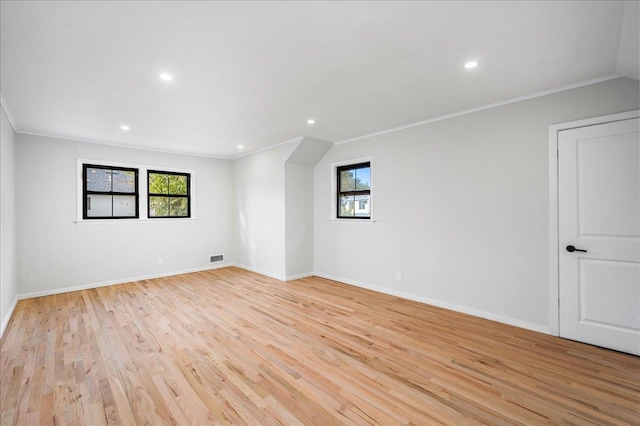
{"x": 485, "y": 107}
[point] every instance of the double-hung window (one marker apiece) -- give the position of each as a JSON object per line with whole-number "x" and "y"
{"x": 169, "y": 194}
{"x": 109, "y": 192}
{"x": 354, "y": 191}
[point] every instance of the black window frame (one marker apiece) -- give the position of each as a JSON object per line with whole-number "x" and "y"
{"x": 187, "y": 196}
{"x": 86, "y": 193}
{"x": 340, "y": 194}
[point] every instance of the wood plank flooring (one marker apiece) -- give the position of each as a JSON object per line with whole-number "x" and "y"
{"x": 229, "y": 346}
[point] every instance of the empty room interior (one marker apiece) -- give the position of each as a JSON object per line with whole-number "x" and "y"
{"x": 319, "y": 212}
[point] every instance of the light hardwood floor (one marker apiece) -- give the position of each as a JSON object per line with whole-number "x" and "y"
{"x": 230, "y": 346}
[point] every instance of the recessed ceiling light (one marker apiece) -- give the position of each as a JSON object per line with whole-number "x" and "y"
{"x": 166, "y": 77}
{"x": 240, "y": 146}
{"x": 311, "y": 121}
{"x": 471, "y": 64}
{"x": 124, "y": 127}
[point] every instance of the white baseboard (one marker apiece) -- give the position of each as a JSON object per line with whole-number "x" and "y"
{"x": 428, "y": 301}
{"x": 277, "y": 277}
{"x": 119, "y": 281}
{"x": 259, "y": 271}
{"x": 441, "y": 304}
{"x": 5, "y": 320}
{"x": 299, "y": 276}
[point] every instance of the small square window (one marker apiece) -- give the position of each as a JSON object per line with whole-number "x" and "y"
{"x": 354, "y": 191}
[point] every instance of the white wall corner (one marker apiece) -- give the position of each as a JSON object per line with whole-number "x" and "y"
{"x": 3, "y": 103}
{"x": 260, "y": 271}
{"x": 247, "y": 154}
{"x": 628, "y": 64}
{"x": 7, "y": 317}
{"x": 299, "y": 276}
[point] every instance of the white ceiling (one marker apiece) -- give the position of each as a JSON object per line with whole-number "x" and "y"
{"x": 252, "y": 73}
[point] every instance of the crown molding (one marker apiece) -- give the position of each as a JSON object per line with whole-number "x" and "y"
{"x": 299, "y": 138}
{"x": 485, "y": 107}
{"x": 122, "y": 145}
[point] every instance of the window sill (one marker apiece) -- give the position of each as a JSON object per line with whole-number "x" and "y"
{"x": 114, "y": 221}
{"x": 367, "y": 221}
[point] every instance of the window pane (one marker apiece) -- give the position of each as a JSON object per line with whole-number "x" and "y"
{"x": 158, "y": 206}
{"x": 99, "y": 205}
{"x": 177, "y": 185}
{"x": 178, "y": 207}
{"x": 363, "y": 205}
{"x": 347, "y": 181}
{"x": 124, "y": 205}
{"x": 99, "y": 180}
{"x": 123, "y": 181}
{"x": 347, "y": 205}
{"x": 363, "y": 178}
{"x": 158, "y": 183}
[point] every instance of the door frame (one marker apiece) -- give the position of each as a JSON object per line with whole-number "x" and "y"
{"x": 554, "y": 265}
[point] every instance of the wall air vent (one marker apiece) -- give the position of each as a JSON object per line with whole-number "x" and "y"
{"x": 216, "y": 258}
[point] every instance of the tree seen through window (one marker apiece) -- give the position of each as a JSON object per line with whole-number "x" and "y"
{"x": 169, "y": 194}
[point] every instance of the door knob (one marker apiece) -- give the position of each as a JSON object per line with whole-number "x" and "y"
{"x": 571, "y": 249}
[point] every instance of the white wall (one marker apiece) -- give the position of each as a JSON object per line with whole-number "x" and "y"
{"x": 55, "y": 252}
{"x": 274, "y": 208}
{"x": 259, "y": 182}
{"x": 461, "y": 207}
{"x": 298, "y": 220}
{"x": 8, "y": 280}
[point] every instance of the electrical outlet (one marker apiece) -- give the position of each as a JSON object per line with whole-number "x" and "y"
{"x": 159, "y": 261}
{"x": 398, "y": 275}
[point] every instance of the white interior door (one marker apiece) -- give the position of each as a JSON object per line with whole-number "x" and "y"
{"x": 599, "y": 212}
